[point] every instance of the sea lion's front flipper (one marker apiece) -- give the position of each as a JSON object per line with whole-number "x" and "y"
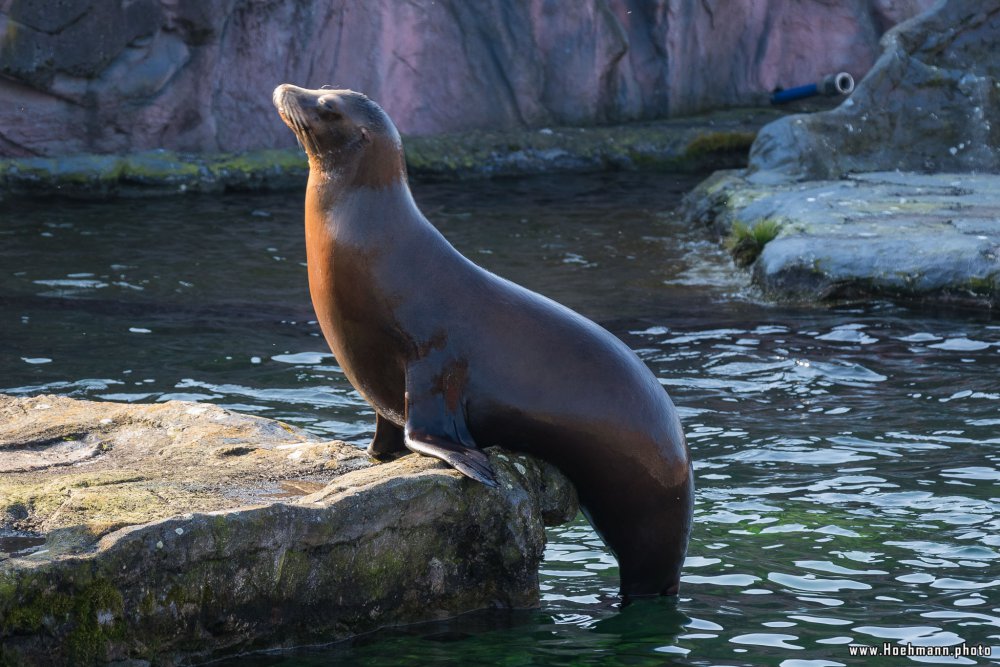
{"x": 435, "y": 419}
{"x": 388, "y": 439}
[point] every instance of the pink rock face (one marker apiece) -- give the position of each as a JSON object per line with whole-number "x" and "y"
{"x": 744, "y": 48}
{"x": 109, "y": 77}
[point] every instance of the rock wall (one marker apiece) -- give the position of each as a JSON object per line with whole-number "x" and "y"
{"x": 111, "y": 77}
{"x": 931, "y": 103}
{"x": 724, "y": 52}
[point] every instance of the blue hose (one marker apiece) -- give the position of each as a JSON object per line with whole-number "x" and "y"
{"x": 792, "y": 94}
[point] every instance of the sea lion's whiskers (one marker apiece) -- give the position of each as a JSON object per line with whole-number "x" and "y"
{"x": 307, "y": 136}
{"x": 297, "y": 133}
{"x": 296, "y": 130}
{"x": 293, "y": 119}
{"x": 302, "y": 134}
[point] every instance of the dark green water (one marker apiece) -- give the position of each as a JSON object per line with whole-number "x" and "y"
{"x": 848, "y": 460}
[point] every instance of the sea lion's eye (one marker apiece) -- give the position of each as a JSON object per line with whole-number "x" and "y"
{"x": 328, "y": 108}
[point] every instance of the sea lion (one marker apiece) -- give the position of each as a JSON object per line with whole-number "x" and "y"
{"x": 454, "y": 358}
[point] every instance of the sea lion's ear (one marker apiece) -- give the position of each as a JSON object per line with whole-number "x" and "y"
{"x": 365, "y": 134}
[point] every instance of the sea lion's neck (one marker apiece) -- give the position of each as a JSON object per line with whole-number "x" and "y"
{"x": 347, "y": 212}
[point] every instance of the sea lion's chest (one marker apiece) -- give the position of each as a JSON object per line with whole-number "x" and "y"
{"x": 353, "y": 305}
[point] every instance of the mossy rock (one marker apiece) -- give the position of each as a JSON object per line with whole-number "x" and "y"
{"x": 275, "y": 169}
{"x": 720, "y": 142}
{"x": 158, "y": 167}
{"x": 713, "y": 140}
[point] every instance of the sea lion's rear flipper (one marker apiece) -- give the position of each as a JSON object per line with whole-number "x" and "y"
{"x": 435, "y": 418}
{"x": 472, "y": 463}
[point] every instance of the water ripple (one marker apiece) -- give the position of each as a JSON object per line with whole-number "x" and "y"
{"x": 317, "y": 395}
{"x": 815, "y": 584}
{"x": 769, "y": 639}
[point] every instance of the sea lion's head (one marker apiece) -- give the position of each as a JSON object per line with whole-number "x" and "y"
{"x": 348, "y": 137}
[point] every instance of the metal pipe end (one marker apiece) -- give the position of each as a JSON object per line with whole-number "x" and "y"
{"x": 837, "y": 84}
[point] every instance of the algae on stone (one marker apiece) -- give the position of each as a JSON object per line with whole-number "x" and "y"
{"x": 746, "y": 242}
{"x": 720, "y": 142}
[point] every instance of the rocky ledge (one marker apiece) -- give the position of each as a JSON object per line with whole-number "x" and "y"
{"x": 173, "y": 533}
{"x": 716, "y": 140}
{"x": 907, "y": 236}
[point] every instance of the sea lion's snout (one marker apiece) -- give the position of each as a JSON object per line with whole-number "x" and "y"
{"x": 278, "y": 96}
{"x": 297, "y": 107}
{"x": 286, "y": 97}
{"x": 283, "y": 96}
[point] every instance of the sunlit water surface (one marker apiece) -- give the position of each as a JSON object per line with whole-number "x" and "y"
{"x": 847, "y": 460}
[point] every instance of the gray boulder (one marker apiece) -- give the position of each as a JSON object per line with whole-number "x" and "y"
{"x": 931, "y": 103}
{"x": 875, "y": 198}
{"x": 170, "y": 533}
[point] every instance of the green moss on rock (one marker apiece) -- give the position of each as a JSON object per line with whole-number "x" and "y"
{"x": 720, "y": 142}
{"x": 271, "y": 169}
{"x": 87, "y": 611}
{"x": 96, "y": 618}
{"x": 224, "y": 561}
{"x": 255, "y": 161}
{"x": 746, "y": 242}
{"x": 158, "y": 167}
{"x": 986, "y": 286}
